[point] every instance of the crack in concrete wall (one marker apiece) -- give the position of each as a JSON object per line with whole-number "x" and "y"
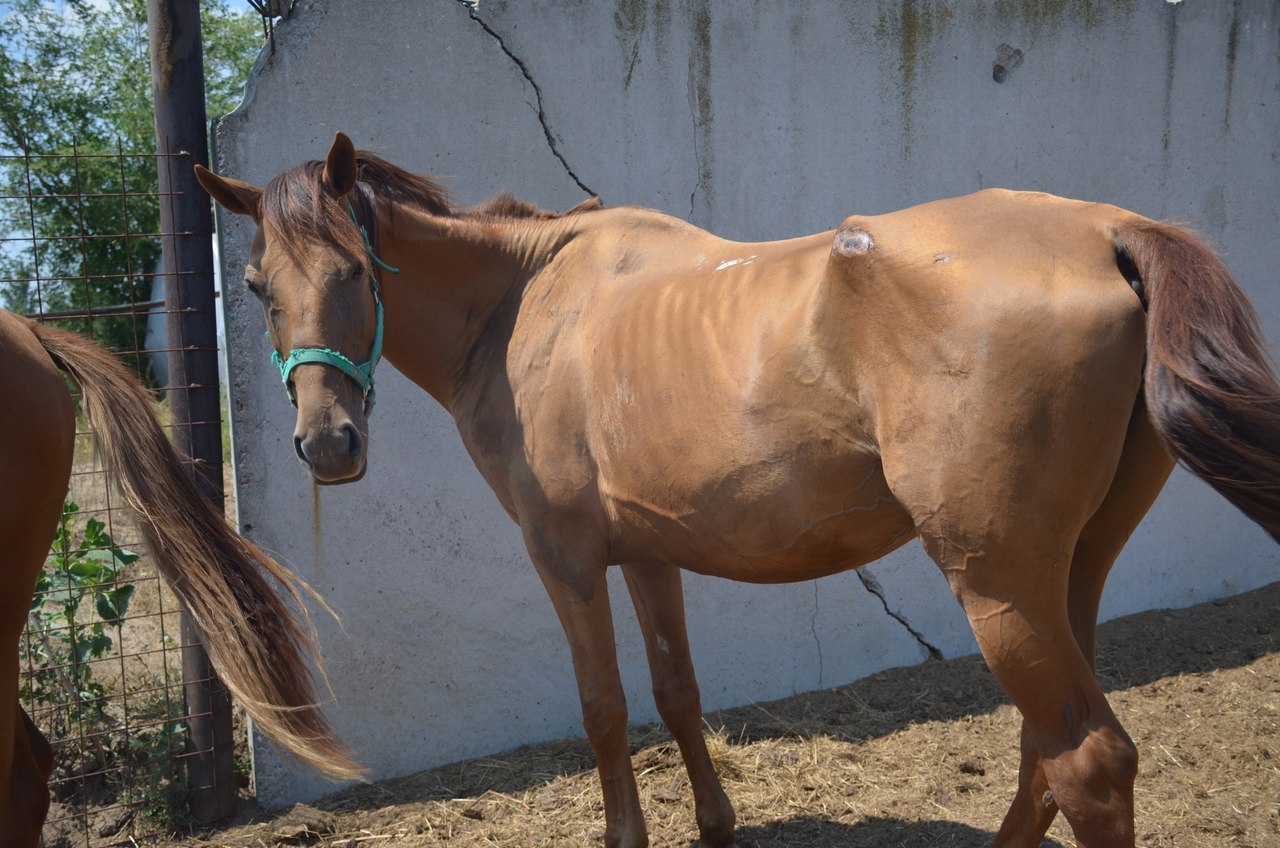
{"x": 813, "y": 627}
{"x": 472, "y": 7}
{"x": 701, "y": 110}
{"x": 873, "y": 586}
{"x": 697, "y": 157}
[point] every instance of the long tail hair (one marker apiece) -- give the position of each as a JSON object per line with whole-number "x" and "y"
{"x": 1211, "y": 388}
{"x": 259, "y": 646}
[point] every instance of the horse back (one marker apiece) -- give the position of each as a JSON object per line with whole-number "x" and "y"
{"x": 997, "y": 285}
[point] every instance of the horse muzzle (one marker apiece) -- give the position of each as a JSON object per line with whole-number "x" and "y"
{"x": 334, "y": 452}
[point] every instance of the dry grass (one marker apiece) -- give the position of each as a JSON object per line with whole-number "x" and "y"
{"x": 919, "y": 757}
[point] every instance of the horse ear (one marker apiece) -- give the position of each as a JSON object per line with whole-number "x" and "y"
{"x": 233, "y": 195}
{"x": 340, "y": 166}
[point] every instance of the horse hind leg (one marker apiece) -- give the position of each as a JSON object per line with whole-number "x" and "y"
{"x": 658, "y": 596}
{"x": 1009, "y": 570}
{"x": 33, "y": 764}
{"x": 1087, "y": 760}
{"x": 26, "y": 760}
{"x": 1144, "y": 467}
{"x": 1001, "y": 517}
{"x": 1008, "y": 562}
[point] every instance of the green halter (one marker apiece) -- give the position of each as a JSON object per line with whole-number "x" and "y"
{"x": 362, "y": 374}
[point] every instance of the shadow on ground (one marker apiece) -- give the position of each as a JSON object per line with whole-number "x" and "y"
{"x": 1132, "y": 651}
{"x": 869, "y": 833}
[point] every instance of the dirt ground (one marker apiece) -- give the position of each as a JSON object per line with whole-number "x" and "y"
{"x": 916, "y": 757}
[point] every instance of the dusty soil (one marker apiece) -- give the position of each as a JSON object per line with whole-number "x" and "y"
{"x": 922, "y": 756}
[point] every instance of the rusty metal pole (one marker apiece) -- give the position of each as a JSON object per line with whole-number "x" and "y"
{"x": 177, "y": 86}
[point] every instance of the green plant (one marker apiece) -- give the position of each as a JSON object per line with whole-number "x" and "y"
{"x": 78, "y": 596}
{"x": 157, "y": 785}
{"x": 80, "y": 599}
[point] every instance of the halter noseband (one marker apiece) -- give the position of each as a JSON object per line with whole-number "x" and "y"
{"x": 361, "y": 374}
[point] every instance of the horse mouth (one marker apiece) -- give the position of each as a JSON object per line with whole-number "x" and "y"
{"x": 340, "y": 478}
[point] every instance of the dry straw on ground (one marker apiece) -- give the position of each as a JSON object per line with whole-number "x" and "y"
{"x": 915, "y": 757}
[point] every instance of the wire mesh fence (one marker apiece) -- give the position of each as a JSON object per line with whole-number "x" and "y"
{"x": 101, "y": 670}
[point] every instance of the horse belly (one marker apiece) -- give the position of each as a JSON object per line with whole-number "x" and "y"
{"x": 770, "y": 522}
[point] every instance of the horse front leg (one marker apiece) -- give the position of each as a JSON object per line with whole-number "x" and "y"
{"x": 578, "y": 590}
{"x": 658, "y": 596}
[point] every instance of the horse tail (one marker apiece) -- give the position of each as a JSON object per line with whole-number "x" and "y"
{"x": 1210, "y": 382}
{"x": 259, "y": 646}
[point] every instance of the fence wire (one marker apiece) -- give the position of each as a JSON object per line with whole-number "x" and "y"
{"x": 100, "y": 657}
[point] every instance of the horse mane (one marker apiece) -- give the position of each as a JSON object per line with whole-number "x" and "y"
{"x": 508, "y": 206}
{"x": 298, "y": 208}
{"x": 393, "y": 183}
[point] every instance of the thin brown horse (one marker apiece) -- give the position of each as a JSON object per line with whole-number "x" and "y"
{"x": 1003, "y": 376}
{"x": 257, "y": 643}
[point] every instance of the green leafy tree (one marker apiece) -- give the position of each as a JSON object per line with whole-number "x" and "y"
{"x": 75, "y": 93}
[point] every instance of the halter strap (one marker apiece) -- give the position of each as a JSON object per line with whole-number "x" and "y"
{"x": 361, "y": 374}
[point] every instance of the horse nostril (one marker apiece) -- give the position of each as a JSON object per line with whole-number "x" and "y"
{"x": 301, "y": 451}
{"x": 355, "y": 444}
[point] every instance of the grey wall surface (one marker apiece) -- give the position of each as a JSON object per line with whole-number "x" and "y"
{"x": 756, "y": 120}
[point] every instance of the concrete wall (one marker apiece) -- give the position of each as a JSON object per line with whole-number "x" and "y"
{"x": 757, "y": 120}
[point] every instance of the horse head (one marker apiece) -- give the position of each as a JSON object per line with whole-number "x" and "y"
{"x": 311, "y": 266}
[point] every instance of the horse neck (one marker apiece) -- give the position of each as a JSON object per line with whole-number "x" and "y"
{"x": 458, "y": 279}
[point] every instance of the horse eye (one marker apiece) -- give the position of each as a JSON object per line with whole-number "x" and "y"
{"x": 255, "y": 285}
